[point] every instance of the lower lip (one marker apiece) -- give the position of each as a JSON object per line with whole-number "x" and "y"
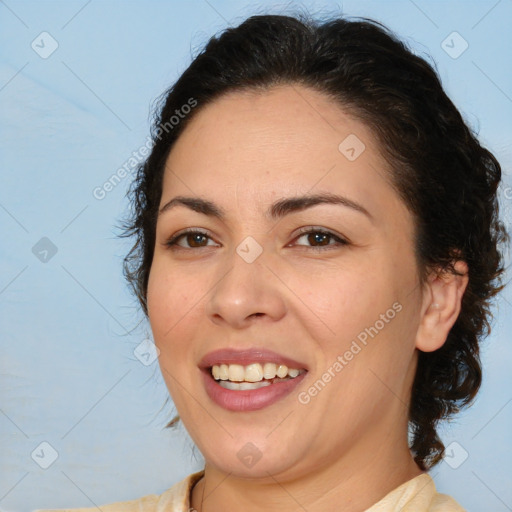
{"x": 250, "y": 399}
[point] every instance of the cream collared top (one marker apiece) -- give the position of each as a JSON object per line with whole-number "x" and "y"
{"x": 416, "y": 495}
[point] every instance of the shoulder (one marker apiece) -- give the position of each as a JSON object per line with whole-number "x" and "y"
{"x": 144, "y": 504}
{"x": 417, "y": 495}
{"x": 444, "y": 503}
{"x": 174, "y": 499}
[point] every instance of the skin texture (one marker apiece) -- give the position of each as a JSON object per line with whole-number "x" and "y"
{"x": 347, "y": 447}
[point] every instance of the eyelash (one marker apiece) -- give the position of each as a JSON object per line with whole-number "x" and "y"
{"x": 172, "y": 243}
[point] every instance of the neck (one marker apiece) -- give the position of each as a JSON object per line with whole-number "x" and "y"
{"x": 350, "y": 483}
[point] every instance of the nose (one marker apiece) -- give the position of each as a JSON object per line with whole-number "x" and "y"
{"x": 246, "y": 293}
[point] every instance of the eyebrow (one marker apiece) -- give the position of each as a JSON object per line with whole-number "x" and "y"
{"x": 276, "y": 211}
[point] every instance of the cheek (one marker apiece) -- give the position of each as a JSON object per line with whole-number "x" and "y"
{"x": 358, "y": 310}
{"x": 172, "y": 303}
{"x": 345, "y": 298}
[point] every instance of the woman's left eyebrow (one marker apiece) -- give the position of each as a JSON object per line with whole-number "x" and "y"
{"x": 293, "y": 204}
{"x": 276, "y": 211}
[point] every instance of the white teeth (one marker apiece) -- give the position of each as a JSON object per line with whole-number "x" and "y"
{"x": 241, "y": 386}
{"x": 293, "y": 372}
{"x": 223, "y": 372}
{"x": 269, "y": 370}
{"x": 282, "y": 371}
{"x": 236, "y": 373}
{"x": 252, "y": 373}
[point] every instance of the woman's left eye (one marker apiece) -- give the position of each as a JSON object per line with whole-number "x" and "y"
{"x": 319, "y": 238}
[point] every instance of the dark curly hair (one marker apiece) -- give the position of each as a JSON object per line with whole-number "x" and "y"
{"x": 445, "y": 177}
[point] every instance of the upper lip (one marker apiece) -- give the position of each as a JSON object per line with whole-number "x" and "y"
{"x": 245, "y": 357}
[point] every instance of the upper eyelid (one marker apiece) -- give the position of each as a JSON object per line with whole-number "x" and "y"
{"x": 186, "y": 231}
{"x": 317, "y": 229}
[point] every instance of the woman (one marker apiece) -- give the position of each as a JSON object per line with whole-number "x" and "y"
{"x": 317, "y": 244}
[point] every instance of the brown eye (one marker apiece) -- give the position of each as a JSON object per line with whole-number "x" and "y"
{"x": 190, "y": 240}
{"x": 318, "y": 239}
{"x": 196, "y": 239}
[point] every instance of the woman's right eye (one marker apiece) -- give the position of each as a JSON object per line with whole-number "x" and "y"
{"x": 190, "y": 239}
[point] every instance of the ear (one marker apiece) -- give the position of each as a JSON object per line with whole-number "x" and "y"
{"x": 441, "y": 306}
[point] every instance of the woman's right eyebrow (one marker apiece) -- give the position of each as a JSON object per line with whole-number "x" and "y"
{"x": 277, "y": 210}
{"x": 194, "y": 203}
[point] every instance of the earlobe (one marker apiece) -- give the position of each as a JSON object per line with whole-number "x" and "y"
{"x": 441, "y": 306}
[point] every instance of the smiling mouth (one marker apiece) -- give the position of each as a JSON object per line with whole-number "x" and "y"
{"x": 237, "y": 377}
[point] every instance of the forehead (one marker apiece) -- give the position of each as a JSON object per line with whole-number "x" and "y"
{"x": 285, "y": 139}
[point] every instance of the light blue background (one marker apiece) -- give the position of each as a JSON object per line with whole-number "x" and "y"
{"x": 68, "y": 371}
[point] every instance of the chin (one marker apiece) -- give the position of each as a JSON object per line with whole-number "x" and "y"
{"x": 256, "y": 458}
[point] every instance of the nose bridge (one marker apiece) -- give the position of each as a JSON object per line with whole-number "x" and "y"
{"x": 247, "y": 288}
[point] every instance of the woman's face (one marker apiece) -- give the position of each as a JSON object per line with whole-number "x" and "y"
{"x": 302, "y": 254}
